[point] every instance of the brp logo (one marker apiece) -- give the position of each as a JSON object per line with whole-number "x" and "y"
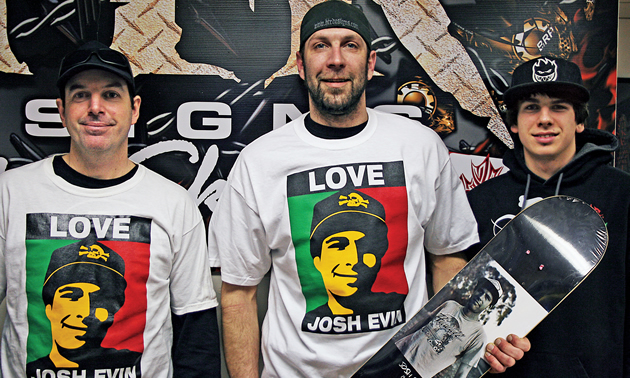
{"x": 419, "y": 94}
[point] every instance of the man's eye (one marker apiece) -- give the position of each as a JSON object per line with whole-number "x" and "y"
{"x": 79, "y": 95}
{"x": 74, "y": 294}
{"x": 530, "y": 107}
{"x": 111, "y": 95}
{"x": 338, "y": 243}
{"x": 335, "y": 245}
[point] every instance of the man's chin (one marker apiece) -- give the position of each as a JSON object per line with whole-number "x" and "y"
{"x": 337, "y": 106}
{"x": 335, "y": 101}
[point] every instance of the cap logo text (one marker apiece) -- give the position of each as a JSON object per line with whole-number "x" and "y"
{"x": 335, "y": 22}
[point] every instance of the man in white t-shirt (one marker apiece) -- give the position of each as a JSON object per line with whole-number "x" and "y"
{"x": 263, "y": 220}
{"x": 102, "y": 276}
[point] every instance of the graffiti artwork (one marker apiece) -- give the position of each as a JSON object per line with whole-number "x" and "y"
{"x": 215, "y": 75}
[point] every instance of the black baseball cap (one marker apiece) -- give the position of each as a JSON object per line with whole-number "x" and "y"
{"x": 335, "y": 14}
{"x": 87, "y": 253}
{"x": 87, "y": 261}
{"x": 544, "y": 75}
{"x": 95, "y": 55}
{"x": 349, "y": 210}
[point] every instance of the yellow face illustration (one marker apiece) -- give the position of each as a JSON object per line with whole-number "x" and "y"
{"x": 338, "y": 258}
{"x": 71, "y": 306}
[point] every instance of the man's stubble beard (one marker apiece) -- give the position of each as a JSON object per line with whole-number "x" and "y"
{"x": 334, "y": 101}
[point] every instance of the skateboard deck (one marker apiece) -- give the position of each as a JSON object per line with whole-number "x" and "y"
{"x": 533, "y": 263}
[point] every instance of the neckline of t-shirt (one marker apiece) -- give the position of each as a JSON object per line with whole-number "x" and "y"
{"x": 91, "y": 192}
{"x": 337, "y": 144}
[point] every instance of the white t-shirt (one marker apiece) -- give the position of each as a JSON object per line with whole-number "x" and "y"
{"x": 80, "y": 248}
{"x": 290, "y": 189}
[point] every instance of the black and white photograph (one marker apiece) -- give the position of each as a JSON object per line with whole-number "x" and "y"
{"x": 449, "y": 338}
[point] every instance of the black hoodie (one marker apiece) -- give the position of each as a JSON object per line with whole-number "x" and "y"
{"x": 587, "y": 335}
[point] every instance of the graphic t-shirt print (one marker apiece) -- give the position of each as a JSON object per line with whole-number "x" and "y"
{"x": 86, "y": 279}
{"x": 441, "y": 331}
{"x": 349, "y": 229}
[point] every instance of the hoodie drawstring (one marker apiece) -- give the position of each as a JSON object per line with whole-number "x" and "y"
{"x": 529, "y": 179}
{"x": 558, "y": 184}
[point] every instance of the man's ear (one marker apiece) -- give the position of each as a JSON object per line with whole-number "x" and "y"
{"x": 371, "y": 64}
{"x": 60, "y": 108}
{"x": 135, "y": 110}
{"x": 369, "y": 259}
{"x": 300, "y": 63}
{"x": 579, "y": 128}
{"x": 316, "y": 261}
{"x": 101, "y": 314}
{"x": 514, "y": 129}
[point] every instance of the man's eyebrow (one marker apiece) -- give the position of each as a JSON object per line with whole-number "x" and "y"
{"x": 115, "y": 84}
{"x": 337, "y": 239}
{"x": 559, "y": 101}
{"x": 70, "y": 288}
{"x": 73, "y": 87}
{"x": 351, "y": 37}
{"x": 344, "y": 38}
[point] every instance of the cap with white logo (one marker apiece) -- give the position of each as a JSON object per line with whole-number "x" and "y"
{"x": 545, "y": 75}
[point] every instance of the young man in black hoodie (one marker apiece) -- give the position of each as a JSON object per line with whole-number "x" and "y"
{"x": 588, "y": 335}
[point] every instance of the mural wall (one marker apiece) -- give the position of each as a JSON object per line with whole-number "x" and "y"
{"x": 215, "y": 75}
{"x": 622, "y": 159}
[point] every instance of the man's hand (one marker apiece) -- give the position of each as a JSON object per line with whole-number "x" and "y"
{"x": 504, "y": 353}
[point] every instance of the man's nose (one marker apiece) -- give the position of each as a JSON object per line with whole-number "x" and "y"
{"x": 352, "y": 254}
{"x": 544, "y": 116}
{"x": 336, "y": 57}
{"x": 83, "y": 307}
{"x": 96, "y": 104}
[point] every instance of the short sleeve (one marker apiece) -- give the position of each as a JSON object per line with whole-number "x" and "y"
{"x": 191, "y": 265}
{"x": 452, "y": 227}
{"x": 236, "y": 234}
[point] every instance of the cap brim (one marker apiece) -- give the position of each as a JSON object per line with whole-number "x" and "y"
{"x": 569, "y": 91}
{"x": 63, "y": 79}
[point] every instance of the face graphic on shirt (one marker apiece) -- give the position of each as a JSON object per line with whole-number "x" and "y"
{"x": 349, "y": 262}
{"x": 339, "y": 257}
{"x": 75, "y": 313}
{"x": 87, "y": 298}
{"x": 84, "y": 288}
{"x": 348, "y": 241}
